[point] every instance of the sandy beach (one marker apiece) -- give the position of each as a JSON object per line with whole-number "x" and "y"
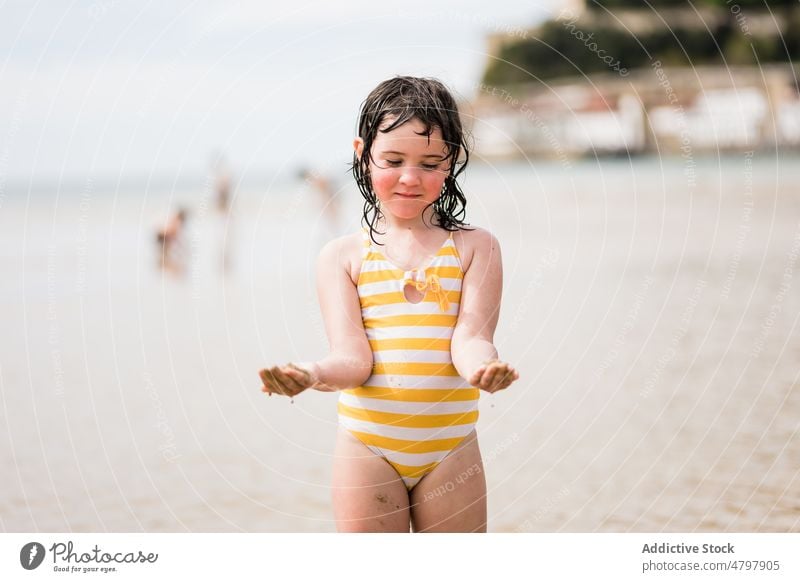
{"x": 651, "y": 307}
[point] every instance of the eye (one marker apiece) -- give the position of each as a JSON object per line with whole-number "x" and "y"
{"x": 394, "y": 163}
{"x": 430, "y": 166}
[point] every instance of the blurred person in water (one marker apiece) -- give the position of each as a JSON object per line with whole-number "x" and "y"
{"x": 170, "y": 243}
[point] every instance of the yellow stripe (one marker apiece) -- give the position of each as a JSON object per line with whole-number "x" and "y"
{"x": 413, "y": 472}
{"x": 414, "y": 369}
{"x": 435, "y": 320}
{"x": 383, "y": 275}
{"x": 377, "y": 256}
{"x": 416, "y": 394}
{"x": 374, "y": 255}
{"x": 379, "y": 299}
{"x": 409, "y": 420}
{"x": 445, "y": 272}
{"x": 410, "y": 343}
{"x": 445, "y": 249}
{"x": 404, "y": 446}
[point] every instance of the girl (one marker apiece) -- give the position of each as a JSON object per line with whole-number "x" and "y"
{"x": 410, "y": 306}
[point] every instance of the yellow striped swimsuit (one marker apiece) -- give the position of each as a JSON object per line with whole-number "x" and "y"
{"x": 414, "y": 408}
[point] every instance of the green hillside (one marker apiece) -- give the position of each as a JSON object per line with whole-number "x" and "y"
{"x": 620, "y": 35}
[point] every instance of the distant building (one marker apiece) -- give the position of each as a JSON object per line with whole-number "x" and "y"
{"x": 718, "y": 119}
{"x": 706, "y": 108}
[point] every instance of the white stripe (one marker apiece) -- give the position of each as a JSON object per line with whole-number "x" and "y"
{"x": 416, "y": 382}
{"x": 380, "y": 405}
{"x": 415, "y": 356}
{"x": 409, "y": 459}
{"x": 410, "y": 331}
{"x": 369, "y": 289}
{"x": 407, "y": 308}
{"x": 446, "y": 261}
{"x": 395, "y": 285}
{"x": 408, "y": 434}
{"x": 369, "y": 265}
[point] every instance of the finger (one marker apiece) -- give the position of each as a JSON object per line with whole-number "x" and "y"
{"x": 498, "y": 381}
{"x": 266, "y": 379}
{"x": 513, "y": 376}
{"x": 489, "y": 376}
{"x": 475, "y": 379}
{"x": 290, "y": 385}
{"x": 301, "y": 375}
{"x": 504, "y": 377}
{"x": 265, "y": 389}
{"x": 277, "y": 386}
{"x": 299, "y": 368}
{"x": 301, "y": 381}
{"x": 486, "y": 380}
{"x": 505, "y": 382}
{"x": 502, "y": 386}
{"x": 293, "y": 380}
{"x": 299, "y": 378}
{"x": 276, "y": 383}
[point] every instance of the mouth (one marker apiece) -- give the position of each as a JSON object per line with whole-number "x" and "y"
{"x": 408, "y": 195}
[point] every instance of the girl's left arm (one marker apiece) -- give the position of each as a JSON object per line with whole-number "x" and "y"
{"x": 472, "y": 347}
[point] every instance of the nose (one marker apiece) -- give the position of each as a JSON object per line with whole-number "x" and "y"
{"x": 409, "y": 175}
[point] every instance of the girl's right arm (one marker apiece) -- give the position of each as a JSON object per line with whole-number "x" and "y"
{"x": 349, "y": 362}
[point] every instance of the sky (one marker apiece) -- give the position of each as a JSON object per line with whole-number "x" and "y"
{"x": 115, "y": 89}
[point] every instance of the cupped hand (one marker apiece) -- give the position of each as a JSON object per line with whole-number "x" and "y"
{"x": 493, "y": 376}
{"x": 289, "y": 380}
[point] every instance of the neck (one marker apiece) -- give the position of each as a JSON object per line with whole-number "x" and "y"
{"x": 419, "y": 223}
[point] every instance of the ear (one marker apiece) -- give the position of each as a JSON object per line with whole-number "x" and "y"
{"x": 358, "y": 146}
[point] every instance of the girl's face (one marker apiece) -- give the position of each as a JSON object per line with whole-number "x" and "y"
{"x": 407, "y": 169}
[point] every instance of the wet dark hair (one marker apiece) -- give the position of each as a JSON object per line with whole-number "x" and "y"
{"x": 402, "y": 99}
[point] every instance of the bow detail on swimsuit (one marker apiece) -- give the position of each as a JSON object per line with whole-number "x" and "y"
{"x": 430, "y": 283}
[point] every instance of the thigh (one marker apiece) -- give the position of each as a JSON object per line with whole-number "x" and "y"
{"x": 452, "y": 497}
{"x": 368, "y": 494}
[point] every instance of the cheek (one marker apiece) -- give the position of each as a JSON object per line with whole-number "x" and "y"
{"x": 434, "y": 181}
{"x": 383, "y": 182}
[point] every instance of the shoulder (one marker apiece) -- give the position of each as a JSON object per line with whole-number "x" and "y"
{"x": 477, "y": 242}
{"x": 345, "y": 253}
